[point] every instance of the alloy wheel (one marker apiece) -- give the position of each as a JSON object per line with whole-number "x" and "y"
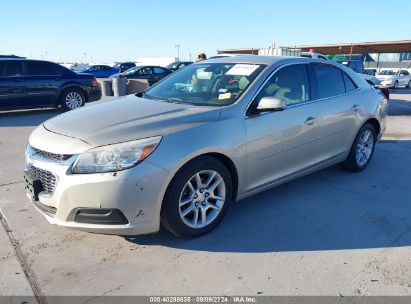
{"x": 364, "y": 149}
{"x": 73, "y": 100}
{"x": 202, "y": 199}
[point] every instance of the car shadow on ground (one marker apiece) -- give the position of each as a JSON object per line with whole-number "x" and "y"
{"x": 400, "y": 91}
{"x": 26, "y": 118}
{"x": 328, "y": 210}
{"x": 399, "y": 107}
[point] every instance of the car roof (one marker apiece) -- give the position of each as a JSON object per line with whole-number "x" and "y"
{"x": 268, "y": 60}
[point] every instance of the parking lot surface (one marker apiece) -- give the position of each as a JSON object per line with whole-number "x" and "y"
{"x": 330, "y": 233}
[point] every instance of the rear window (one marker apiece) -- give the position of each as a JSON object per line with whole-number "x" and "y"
{"x": 35, "y": 68}
{"x": 329, "y": 81}
{"x": 349, "y": 85}
{"x": 11, "y": 69}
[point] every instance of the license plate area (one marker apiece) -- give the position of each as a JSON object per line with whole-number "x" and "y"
{"x": 33, "y": 186}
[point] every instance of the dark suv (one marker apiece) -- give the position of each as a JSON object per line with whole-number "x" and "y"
{"x": 36, "y": 84}
{"x": 355, "y": 65}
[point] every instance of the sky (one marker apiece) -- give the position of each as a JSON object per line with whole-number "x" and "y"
{"x": 108, "y": 31}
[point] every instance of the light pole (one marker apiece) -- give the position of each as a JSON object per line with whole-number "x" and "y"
{"x": 178, "y": 51}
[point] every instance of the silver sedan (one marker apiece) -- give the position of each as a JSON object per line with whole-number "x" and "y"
{"x": 212, "y": 133}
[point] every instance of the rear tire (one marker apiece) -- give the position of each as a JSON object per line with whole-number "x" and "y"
{"x": 72, "y": 99}
{"x": 362, "y": 149}
{"x": 197, "y": 198}
{"x": 408, "y": 85}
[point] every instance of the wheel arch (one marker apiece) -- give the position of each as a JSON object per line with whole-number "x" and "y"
{"x": 74, "y": 86}
{"x": 224, "y": 159}
{"x": 375, "y": 123}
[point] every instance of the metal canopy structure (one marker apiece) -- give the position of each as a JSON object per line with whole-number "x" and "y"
{"x": 402, "y": 46}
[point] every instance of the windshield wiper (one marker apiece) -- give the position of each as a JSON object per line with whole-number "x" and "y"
{"x": 174, "y": 100}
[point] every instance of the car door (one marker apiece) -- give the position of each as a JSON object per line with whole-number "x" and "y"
{"x": 12, "y": 84}
{"x": 403, "y": 78}
{"x": 282, "y": 143}
{"x": 159, "y": 73}
{"x": 43, "y": 83}
{"x": 337, "y": 102}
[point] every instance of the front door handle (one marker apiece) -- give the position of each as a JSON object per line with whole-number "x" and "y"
{"x": 310, "y": 120}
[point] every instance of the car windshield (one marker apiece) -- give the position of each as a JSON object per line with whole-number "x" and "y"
{"x": 131, "y": 70}
{"x": 212, "y": 84}
{"x": 172, "y": 65}
{"x": 387, "y": 72}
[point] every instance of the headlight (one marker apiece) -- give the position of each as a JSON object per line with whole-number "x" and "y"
{"x": 115, "y": 157}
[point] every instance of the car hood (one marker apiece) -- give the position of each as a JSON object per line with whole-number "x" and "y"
{"x": 129, "y": 118}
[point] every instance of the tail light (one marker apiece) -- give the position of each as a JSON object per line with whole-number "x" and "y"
{"x": 94, "y": 81}
{"x": 386, "y": 92}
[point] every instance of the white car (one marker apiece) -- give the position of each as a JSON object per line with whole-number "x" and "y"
{"x": 394, "y": 79}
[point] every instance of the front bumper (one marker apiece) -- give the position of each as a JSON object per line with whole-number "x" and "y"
{"x": 137, "y": 193}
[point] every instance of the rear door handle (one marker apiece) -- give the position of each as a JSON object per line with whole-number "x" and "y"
{"x": 310, "y": 120}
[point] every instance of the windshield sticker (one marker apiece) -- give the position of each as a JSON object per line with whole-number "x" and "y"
{"x": 224, "y": 96}
{"x": 242, "y": 69}
{"x": 222, "y": 90}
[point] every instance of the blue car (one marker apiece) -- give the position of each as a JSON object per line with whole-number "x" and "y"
{"x": 38, "y": 84}
{"x": 101, "y": 71}
{"x": 105, "y": 71}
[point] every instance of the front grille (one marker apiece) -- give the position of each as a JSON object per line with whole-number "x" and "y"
{"x": 48, "y": 180}
{"x": 52, "y": 156}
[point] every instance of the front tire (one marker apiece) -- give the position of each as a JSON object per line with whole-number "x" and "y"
{"x": 408, "y": 85}
{"x": 362, "y": 149}
{"x": 197, "y": 198}
{"x": 72, "y": 99}
{"x": 396, "y": 84}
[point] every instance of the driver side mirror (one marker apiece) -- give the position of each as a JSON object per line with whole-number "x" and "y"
{"x": 141, "y": 94}
{"x": 271, "y": 104}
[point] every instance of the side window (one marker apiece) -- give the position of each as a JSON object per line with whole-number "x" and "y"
{"x": 322, "y": 57}
{"x": 146, "y": 71}
{"x": 290, "y": 84}
{"x": 105, "y": 68}
{"x": 38, "y": 68}
{"x": 158, "y": 70}
{"x": 329, "y": 81}
{"x": 349, "y": 85}
{"x": 11, "y": 69}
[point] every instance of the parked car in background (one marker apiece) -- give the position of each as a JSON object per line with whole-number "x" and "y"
{"x": 77, "y": 67}
{"x": 394, "y": 79}
{"x": 36, "y": 84}
{"x": 212, "y": 133}
{"x": 370, "y": 71}
{"x": 151, "y": 73}
{"x": 178, "y": 65}
{"x": 313, "y": 55}
{"x": 123, "y": 66}
{"x": 355, "y": 65}
{"x": 100, "y": 71}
